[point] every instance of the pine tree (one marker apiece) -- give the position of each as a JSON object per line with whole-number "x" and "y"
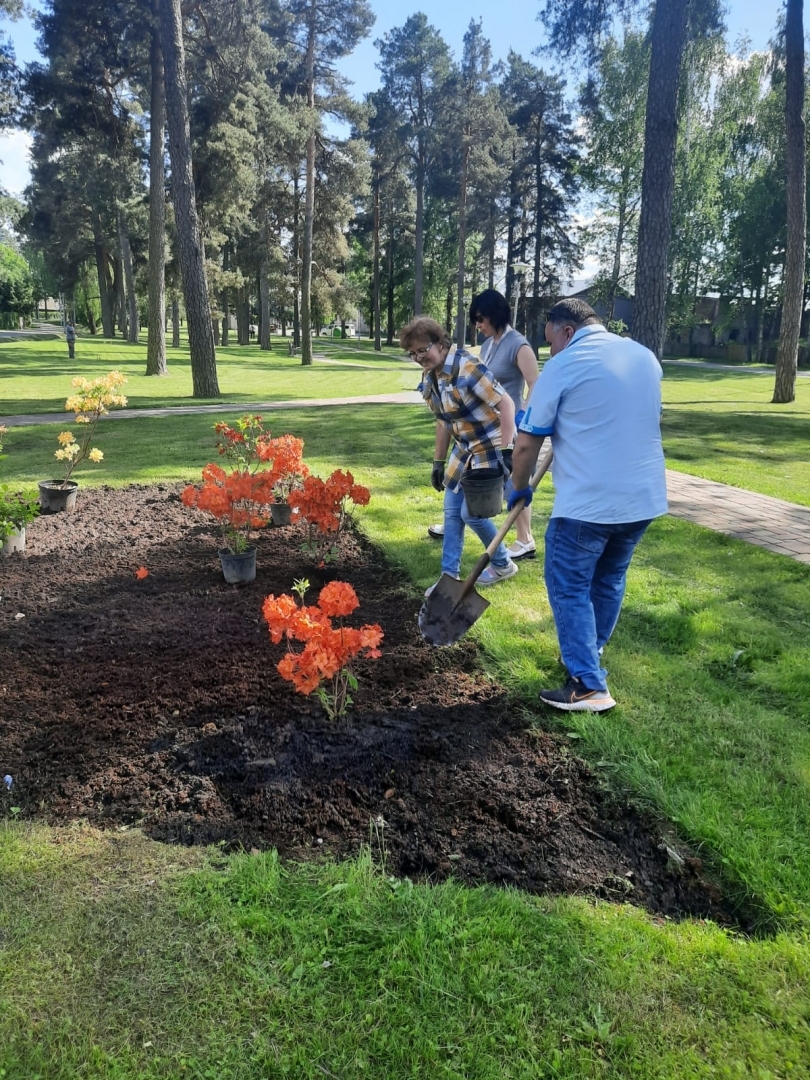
{"x": 796, "y": 160}
{"x": 189, "y": 237}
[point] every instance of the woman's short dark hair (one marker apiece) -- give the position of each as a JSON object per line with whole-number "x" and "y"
{"x": 491, "y": 305}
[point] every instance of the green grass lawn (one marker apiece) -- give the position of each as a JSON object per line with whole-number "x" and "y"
{"x": 122, "y": 958}
{"x": 35, "y": 376}
{"x": 721, "y": 425}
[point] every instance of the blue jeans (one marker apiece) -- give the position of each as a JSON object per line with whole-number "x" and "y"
{"x": 456, "y": 516}
{"x": 586, "y": 573}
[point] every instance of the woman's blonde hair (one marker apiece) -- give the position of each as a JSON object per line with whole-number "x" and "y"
{"x": 423, "y": 329}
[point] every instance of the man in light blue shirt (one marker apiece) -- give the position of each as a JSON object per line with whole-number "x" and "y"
{"x": 599, "y": 400}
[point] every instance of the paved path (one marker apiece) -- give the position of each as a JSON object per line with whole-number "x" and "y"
{"x": 758, "y": 519}
{"x": 405, "y": 397}
{"x": 771, "y": 523}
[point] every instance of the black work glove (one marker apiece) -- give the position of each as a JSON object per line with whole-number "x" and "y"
{"x": 437, "y": 476}
{"x": 506, "y": 455}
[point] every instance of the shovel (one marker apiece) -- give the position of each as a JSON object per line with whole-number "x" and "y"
{"x": 453, "y": 606}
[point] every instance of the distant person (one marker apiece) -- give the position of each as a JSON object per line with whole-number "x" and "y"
{"x": 599, "y": 400}
{"x": 70, "y": 338}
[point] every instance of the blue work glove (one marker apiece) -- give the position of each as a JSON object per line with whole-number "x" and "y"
{"x": 524, "y": 493}
{"x": 437, "y": 475}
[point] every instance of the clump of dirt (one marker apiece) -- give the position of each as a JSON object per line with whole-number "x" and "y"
{"x": 156, "y": 702}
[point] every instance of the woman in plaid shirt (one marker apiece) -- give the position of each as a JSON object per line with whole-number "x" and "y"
{"x": 473, "y": 412}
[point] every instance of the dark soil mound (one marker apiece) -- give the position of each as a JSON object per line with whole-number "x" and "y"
{"x": 157, "y": 703}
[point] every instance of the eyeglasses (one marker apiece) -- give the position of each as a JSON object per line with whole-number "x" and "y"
{"x": 420, "y": 354}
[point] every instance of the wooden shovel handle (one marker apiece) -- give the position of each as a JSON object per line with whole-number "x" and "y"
{"x": 510, "y": 520}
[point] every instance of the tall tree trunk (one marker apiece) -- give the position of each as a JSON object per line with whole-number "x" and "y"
{"x": 189, "y": 237}
{"x": 419, "y": 243}
{"x": 242, "y": 318}
{"x": 389, "y": 329}
{"x": 538, "y": 222}
{"x": 461, "y": 321}
{"x": 175, "y": 323}
{"x": 264, "y": 298}
{"x": 119, "y": 293}
{"x": 787, "y": 356}
{"x": 657, "y": 182}
{"x": 102, "y": 268}
{"x": 225, "y": 328}
{"x": 296, "y": 264}
{"x": 133, "y": 327}
{"x": 617, "y": 256}
{"x": 491, "y": 249}
{"x": 375, "y": 288}
{"x": 309, "y": 197}
{"x": 513, "y": 220}
{"x": 761, "y": 320}
{"x": 156, "y": 339}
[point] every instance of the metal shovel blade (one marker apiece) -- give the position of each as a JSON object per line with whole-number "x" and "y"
{"x": 450, "y": 610}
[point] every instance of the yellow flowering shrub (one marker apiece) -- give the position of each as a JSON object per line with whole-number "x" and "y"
{"x": 92, "y": 399}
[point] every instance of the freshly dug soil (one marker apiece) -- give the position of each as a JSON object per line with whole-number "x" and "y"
{"x": 156, "y": 702}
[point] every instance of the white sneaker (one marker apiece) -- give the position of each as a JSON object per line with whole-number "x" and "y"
{"x": 493, "y": 574}
{"x": 436, "y": 531}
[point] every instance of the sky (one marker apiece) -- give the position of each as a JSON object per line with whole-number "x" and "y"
{"x": 511, "y": 25}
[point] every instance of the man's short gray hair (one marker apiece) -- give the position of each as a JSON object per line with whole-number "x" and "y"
{"x": 572, "y": 312}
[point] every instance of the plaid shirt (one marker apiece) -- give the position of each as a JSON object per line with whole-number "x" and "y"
{"x": 463, "y": 396}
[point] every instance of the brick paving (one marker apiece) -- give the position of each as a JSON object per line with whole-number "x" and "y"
{"x": 774, "y": 524}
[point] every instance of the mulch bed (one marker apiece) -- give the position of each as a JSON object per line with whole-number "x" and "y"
{"x": 157, "y": 703}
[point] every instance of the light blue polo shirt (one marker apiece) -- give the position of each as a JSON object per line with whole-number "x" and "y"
{"x": 600, "y": 401}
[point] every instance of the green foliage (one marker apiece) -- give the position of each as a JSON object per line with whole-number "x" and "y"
{"x": 17, "y": 509}
{"x": 17, "y": 292}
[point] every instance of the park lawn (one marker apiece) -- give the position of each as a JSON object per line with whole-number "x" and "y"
{"x": 127, "y": 959}
{"x": 35, "y": 376}
{"x": 722, "y": 426}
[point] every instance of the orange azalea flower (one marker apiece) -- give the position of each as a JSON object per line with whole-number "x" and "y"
{"x": 338, "y": 598}
{"x": 328, "y": 650}
{"x": 141, "y": 573}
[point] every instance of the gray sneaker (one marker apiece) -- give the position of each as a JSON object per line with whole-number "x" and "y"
{"x": 493, "y": 574}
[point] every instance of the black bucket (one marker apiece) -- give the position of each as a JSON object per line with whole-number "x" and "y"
{"x": 483, "y": 491}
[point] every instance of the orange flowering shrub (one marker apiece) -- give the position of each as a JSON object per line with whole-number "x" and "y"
{"x": 240, "y": 444}
{"x": 285, "y": 455}
{"x": 240, "y": 499}
{"x": 326, "y": 507}
{"x": 328, "y": 649}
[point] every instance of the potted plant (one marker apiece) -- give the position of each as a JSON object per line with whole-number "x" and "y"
{"x": 264, "y": 473}
{"x": 238, "y": 500}
{"x": 289, "y": 472}
{"x": 93, "y": 398}
{"x": 16, "y": 511}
